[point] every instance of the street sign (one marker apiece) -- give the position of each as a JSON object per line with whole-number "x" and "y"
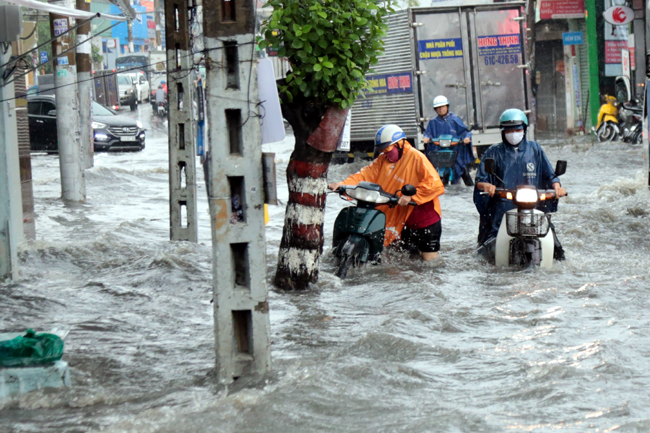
{"x": 60, "y": 26}
{"x": 625, "y": 62}
{"x": 618, "y": 15}
{"x": 43, "y": 56}
{"x": 572, "y": 38}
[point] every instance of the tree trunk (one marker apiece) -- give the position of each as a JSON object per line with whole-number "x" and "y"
{"x": 302, "y": 237}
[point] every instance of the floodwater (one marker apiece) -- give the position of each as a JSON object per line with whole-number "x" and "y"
{"x": 454, "y": 346}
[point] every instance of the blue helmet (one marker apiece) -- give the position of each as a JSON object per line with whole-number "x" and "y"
{"x": 387, "y": 135}
{"x": 513, "y": 117}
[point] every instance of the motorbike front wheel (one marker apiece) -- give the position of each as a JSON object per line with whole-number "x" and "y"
{"x": 445, "y": 177}
{"x": 344, "y": 266}
{"x": 608, "y": 131}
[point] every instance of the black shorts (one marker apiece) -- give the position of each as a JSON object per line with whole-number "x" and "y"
{"x": 426, "y": 239}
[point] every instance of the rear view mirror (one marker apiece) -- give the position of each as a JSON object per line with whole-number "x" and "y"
{"x": 490, "y": 166}
{"x": 560, "y": 168}
{"x": 409, "y": 190}
{"x": 52, "y": 113}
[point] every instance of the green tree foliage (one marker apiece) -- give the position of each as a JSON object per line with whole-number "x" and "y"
{"x": 97, "y": 58}
{"x": 330, "y": 44}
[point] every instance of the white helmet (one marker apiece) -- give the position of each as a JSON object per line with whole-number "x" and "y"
{"x": 440, "y": 101}
{"x": 388, "y": 135}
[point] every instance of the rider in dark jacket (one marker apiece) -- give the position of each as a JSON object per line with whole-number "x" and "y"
{"x": 518, "y": 162}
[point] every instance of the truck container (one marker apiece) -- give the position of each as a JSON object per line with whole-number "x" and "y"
{"x": 474, "y": 53}
{"x": 105, "y": 89}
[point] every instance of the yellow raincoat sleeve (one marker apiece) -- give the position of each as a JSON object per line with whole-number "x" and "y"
{"x": 369, "y": 173}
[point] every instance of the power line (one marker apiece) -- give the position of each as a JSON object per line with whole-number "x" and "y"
{"x": 24, "y": 96}
{"x": 135, "y": 68}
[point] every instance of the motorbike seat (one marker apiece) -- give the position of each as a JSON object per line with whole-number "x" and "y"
{"x": 631, "y": 107}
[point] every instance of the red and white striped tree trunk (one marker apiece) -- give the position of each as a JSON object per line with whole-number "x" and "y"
{"x": 302, "y": 238}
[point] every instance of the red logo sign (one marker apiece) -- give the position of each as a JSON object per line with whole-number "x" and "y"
{"x": 618, "y": 15}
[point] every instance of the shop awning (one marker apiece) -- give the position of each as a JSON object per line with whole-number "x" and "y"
{"x": 61, "y": 10}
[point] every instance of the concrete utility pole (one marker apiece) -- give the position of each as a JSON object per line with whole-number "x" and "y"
{"x": 84, "y": 71}
{"x": 67, "y": 114}
{"x": 156, "y": 16}
{"x": 182, "y": 159}
{"x": 129, "y": 27}
{"x": 235, "y": 185}
{"x": 11, "y": 208}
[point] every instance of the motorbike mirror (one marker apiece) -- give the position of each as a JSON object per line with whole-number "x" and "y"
{"x": 490, "y": 166}
{"x": 409, "y": 190}
{"x": 560, "y": 168}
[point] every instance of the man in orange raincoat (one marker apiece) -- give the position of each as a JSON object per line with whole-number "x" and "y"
{"x": 400, "y": 164}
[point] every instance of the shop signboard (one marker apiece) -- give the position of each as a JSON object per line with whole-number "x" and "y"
{"x": 616, "y": 35}
{"x": 618, "y": 15}
{"x": 625, "y": 63}
{"x": 561, "y": 9}
{"x": 572, "y": 38}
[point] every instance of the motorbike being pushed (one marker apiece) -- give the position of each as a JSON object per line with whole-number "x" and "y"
{"x": 525, "y": 236}
{"x": 444, "y": 159}
{"x": 359, "y": 230}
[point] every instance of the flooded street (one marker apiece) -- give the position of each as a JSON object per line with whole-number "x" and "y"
{"x": 455, "y": 346}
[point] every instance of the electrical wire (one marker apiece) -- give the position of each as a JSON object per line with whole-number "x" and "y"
{"x": 49, "y": 41}
{"x": 135, "y": 68}
{"x": 138, "y": 68}
{"x": 53, "y": 57}
{"x": 30, "y": 35}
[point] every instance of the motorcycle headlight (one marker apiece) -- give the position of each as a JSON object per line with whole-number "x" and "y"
{"x": 137, "y": 122}
{"x": 526, "y": 195}
{"x": 445, "y": 143}
{"x": 97, "y": 125}
{"x": 367, "y": 195}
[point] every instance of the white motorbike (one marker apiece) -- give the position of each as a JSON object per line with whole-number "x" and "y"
{"x": 525, "y": 237}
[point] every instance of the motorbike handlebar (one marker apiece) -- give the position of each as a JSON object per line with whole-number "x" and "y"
{"x": 508, "y": 194}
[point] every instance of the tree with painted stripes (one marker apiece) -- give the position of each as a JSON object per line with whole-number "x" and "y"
{"x": 331, "y": 46}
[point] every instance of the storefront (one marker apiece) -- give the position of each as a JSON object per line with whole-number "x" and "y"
{"x": 577, "y": 58}
{"x": 561, "y": 67}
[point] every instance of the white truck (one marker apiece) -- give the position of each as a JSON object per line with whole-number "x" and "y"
{"x": 473, "y": 52}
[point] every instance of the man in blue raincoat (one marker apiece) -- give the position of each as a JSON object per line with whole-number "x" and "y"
{"x": 447, "y": 123}
{"x": 518, "y": 162}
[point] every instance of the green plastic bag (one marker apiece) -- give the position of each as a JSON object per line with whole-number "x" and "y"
{"x": 31, "y": 349}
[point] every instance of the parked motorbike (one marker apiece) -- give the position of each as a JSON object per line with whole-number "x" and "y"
{"x": 359, "y": 230}
{"x": 607, "y": 128}
{"x": 630, "y": 115}
{"x": 444, "y": 159}
{"x": 525, "y": 236}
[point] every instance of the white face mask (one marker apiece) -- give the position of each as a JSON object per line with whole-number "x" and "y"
{"x": 515, "y": 138}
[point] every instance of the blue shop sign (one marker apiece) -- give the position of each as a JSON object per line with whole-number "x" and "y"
{"x": 401, "y": 82}
{"x": 434, "y": 49}
{"x": 572, "y": 38}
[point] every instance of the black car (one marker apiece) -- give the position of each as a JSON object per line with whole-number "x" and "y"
{"x": 110, "y": 131}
